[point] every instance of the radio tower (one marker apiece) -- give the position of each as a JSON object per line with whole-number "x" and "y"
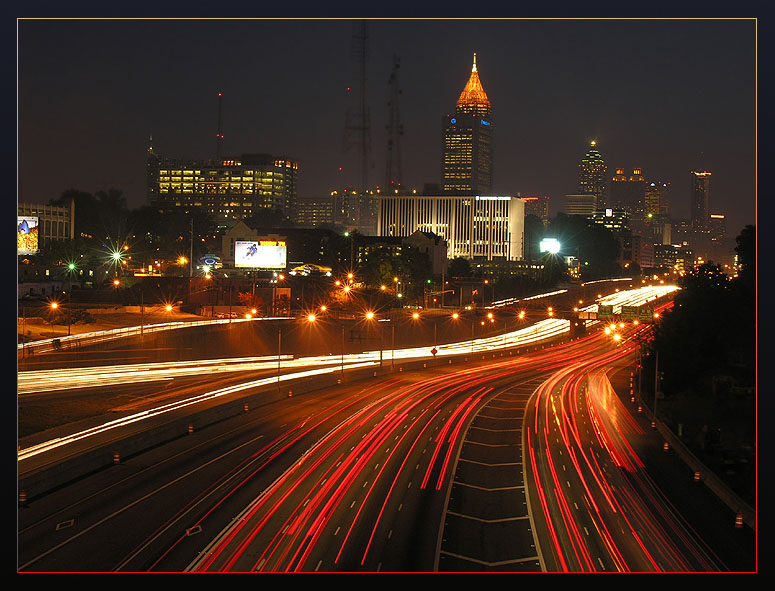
{"x": 358, "y": 128}
{"x": 395, "y": 131}
{"x": 219, "y": 137}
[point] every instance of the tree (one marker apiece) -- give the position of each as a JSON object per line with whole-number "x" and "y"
{"x": 460, "y": 267}
{"x": 746, "y": 255}
{"x": 594, "y": 245}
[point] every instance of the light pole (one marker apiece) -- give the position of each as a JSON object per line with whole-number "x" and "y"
{"x": 656, "y": 387}
{"x": 370, "y": 317}
{"x": 279, "y": 349}
{"x": 342, "y": 350}
{"x": 393, "y": 346}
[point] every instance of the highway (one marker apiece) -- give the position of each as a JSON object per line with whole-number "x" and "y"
{"x": 597, "y": 507}
{"x": 339, "y": 481}
{"x": 488, "y": 461}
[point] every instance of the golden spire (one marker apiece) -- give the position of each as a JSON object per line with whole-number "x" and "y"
{"x": 473, "y": 98}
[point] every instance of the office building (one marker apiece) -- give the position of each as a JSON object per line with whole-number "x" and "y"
{"x": 314, "y": 212}
{"x": 226, "y": 189}
{"x": 592, "y": 175}
{"x": 699, "y": 204}
{"x": 657, "y": 198}
{"x": 583, "y": 205}
{"x": 484, "y": 227}
{"x": 467, "y": 156}
{"x": 39, "y": 225}
{"x": 628, "y": 192}
{"x": 537, "y": 206}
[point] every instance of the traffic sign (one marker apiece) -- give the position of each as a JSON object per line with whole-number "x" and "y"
{"x": 629, "y": 312}
{"x": 645, "y": 314}
{"x": 605, "y": 311}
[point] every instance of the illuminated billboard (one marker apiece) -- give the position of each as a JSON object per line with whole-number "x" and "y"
{"x": 551, "y": 245}
{"x": 260, "y": 254}
{"x": 26, "y": 235}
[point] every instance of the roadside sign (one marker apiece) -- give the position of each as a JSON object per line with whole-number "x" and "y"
{"x": 629, "y": 312}
{"x": 645, "y": 314}
{"x": 605, "y": 311}
{"x": 434, "y": 351}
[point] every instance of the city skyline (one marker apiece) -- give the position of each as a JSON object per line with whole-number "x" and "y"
{"x": 668, "y": 96}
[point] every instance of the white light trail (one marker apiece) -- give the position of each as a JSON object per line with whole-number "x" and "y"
{"x": 38, "y": 381}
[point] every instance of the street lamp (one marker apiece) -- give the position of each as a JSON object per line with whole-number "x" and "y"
{"x": 370, "y": 316}
{"x": 279, "y": 349}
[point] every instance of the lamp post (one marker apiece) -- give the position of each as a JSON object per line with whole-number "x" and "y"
{"x": 53, "y": 307}
{"x": 656, "y": 386}
{"x": 279, "y": 349}
{"x": 370, "y": 317}
{"x": 393, "y": 346}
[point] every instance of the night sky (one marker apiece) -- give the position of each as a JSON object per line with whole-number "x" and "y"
{"x": 665, "y": 95}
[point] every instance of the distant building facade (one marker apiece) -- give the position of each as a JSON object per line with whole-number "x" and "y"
{"x": 583, "y": 205}
{"x": 487, "y": 227}
{"x": 699, "y": 204}
{"x": 234, "y": 189}
{"x": 315, "y": 212}
{"x": 537, "y": 206}
{"x": 53, "y": 222}
{"x": 628, "y": 191}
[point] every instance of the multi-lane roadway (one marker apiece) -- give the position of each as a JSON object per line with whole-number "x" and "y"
{"x": 486, "y": 460}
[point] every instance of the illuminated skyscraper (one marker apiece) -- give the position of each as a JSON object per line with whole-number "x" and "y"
{"x": 657, "y": 198}
{"x": 467, "y": 142}
{"x": 628, "y": 192}
{"x": 699, "y": 213}
{"x": 592, "y": 175}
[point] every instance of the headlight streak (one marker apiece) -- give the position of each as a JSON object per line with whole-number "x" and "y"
{"x": 305, "y": 526}
{"x": 144, "y": 415}
{"x": 101, "y": 336}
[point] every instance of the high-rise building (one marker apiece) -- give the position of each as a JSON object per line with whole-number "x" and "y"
{"x": 467, "y": 157}
{"x": 314, "y": 212}
{"x": 628, "y": 192}
{"x": 592, "y": 175}
{"x": 583, "y": 205}
{"x": 699, "y": 212}
{"x": 233, "y": 189}
{"x": 537, "y": 206}
{"x": 657, "y": 198}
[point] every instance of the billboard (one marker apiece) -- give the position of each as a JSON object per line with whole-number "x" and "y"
{"x": 26, "y": 235}
{"x": 551, "y": 245}
{"x": 260, "y": 254}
